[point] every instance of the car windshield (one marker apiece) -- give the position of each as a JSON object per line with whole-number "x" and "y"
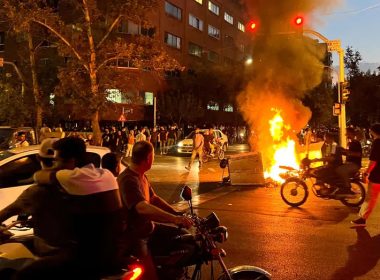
{"x": 5, "y": 154}
{"x": 6, "y": 135}
{"x": 190, "y": 136}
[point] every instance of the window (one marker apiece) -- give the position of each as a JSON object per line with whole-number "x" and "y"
{"x": 19, "y": 171}
{"x": 241, "y": 26}
{"x": 213, "y": 106}
{"x": 44, "y": 61}
{"x": 213, "y": 32}
{"x": 172, "y": 10}
{"x": 148, "y": 98}
{"x": 213, "y": 56}
{"x": 2, "y": 41}
{"x": 128, "y": 27}
{"x": 113, "y": 95}
{"x": 195, "y": 49}
{"x": 228, "y": 18}
{"x": 149, "y": 32}
{"x": 228, "y": 108}
{"x": 172, "y": 40}
{"x": 199, "y": 1}
{"x": 213, "y": 8}
{"x": 195, "y": 22}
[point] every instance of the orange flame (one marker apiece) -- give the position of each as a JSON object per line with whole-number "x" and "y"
{"x": 284, "y": 147}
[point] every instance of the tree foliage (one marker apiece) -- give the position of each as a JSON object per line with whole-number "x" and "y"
{"x": 85, "y": 36}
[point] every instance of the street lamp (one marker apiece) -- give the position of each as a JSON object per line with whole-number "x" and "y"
{"x": 248, "y": 61}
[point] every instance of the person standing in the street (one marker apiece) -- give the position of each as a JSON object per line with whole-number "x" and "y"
{"x": 141, "y": 135}
{"x": 44, "y": 131}
{"x": 155, "y": 138}
{"x": 373, "y": 173}
{"x": 106, "y": 138}
{"x": 198, "y": 142}
{"x": 172, "y": 137}
{"x": 130, "y": 143}
{"x": 163, "y": 139}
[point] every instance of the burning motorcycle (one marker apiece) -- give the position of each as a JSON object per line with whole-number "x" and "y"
{"x": 295, "y": 191}
{"x": 16, "y": 252}
{"x": 208, "y": 232}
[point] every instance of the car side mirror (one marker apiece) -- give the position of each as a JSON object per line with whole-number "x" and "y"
{"x": 186, "y": 193}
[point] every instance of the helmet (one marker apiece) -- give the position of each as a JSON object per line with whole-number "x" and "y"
{"x": 46, "y": 148}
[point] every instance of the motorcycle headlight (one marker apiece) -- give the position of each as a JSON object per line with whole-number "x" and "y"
{"x": 220, "y": 234}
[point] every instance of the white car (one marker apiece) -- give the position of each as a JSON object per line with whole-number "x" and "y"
{"x": 185, "y": 146}
{"x": 18, "y": 165}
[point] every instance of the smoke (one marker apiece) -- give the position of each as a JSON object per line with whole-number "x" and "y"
{"x": 286, "y": 66}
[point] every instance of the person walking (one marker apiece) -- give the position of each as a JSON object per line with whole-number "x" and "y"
{"x": 198, "y": 142}
{"x": 373, "y": 173}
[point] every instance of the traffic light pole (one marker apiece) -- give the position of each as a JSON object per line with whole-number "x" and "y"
{"x": 342, "y": 116}
{"x": 334, "y": 45}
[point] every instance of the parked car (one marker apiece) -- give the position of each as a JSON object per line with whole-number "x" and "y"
{"x": 18, "y": 165}
{"x": 8, "y": 136}
{"x": 185, "y": 146}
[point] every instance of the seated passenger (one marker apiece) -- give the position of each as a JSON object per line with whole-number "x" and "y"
{"x": 94, "y": 207}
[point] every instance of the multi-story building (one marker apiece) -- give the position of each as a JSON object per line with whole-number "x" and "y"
{"x": 194, "y": 32}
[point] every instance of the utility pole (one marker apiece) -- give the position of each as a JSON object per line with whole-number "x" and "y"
{"x": 335, "y": 46}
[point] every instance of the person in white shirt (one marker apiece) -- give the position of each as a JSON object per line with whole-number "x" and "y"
{"x": 198, "y": 143}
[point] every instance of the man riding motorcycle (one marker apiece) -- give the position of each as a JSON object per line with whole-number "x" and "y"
{"x": 353, "y": 161}
{"x": 331, "y": 157}
{"x": 146, "y": 210}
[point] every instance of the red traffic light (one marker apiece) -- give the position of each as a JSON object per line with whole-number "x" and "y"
{"x": 298, "y": 20}
{"x": 251, "y": 26}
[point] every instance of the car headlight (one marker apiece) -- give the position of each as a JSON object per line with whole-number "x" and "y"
{"x": 180, "y": 144}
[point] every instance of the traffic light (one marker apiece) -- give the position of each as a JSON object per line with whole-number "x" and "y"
{"x": 251, "y": 26}
{"x": 298, "y": 20}
{"x": 344, "y": 91}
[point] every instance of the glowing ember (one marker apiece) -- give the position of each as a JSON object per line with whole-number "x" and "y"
{"x": 284, "y": 148}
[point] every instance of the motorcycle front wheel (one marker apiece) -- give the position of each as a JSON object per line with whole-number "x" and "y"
{"x": 294, "y": 192}
{"x": 221, "y": 154}
{"x": 247, "y": 275}
{"x": 357, "y": 199}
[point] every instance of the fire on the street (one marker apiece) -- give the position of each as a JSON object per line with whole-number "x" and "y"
{"x": 284, "y": 148}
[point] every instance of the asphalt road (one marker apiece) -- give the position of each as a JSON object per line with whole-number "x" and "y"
{"x": 315, "y": 241}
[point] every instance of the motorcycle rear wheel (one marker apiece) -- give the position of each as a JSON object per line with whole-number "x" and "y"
{"x": 356, "y": 201}
{"x": 294, "y": 192}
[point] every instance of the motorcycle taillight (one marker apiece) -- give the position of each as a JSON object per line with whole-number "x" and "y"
{"x": 135, "y": 273}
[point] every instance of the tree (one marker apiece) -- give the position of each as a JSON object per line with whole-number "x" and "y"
{"x": 86, "y": 34}
{"x": 351, "y": 61}
{"x": 12, "y": 109}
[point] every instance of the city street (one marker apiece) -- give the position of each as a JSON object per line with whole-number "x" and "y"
{"x": 315, "y": 241}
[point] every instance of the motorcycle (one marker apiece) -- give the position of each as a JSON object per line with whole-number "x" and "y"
{"x": 16, "y": 252}
{"x": 295, "y": 191}
{"x": 208, "y": 232}
{"x": 218, "y": 152}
